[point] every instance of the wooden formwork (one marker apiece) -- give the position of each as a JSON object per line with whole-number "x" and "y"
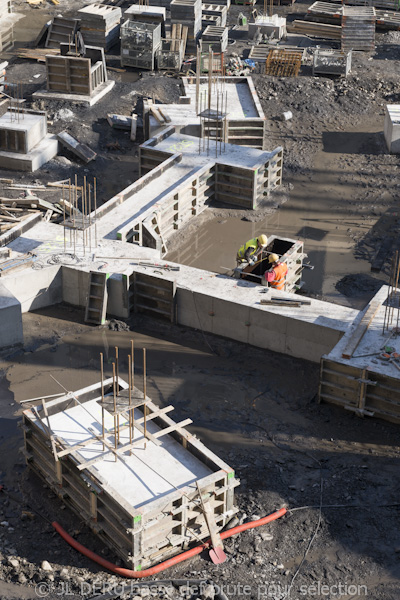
{"x": 163, "y": 524}
{"x": 359, "y": 390}
{"x": 61, "y": 31}
{"x": 152, "y": 295}
{"x": 246, "y": 132}
{"x": 184, "y": 203}
{"x": 68, "y": 74}
{"x": 283, "y": 63}
{"x": 235, "y": 185}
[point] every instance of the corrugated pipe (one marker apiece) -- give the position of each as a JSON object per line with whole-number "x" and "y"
{"x": 171, "y": 561}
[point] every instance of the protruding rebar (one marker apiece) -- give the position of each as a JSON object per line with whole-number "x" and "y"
{"x": 115, "y": 410}
{"x": 102, "y": 396}
{"x": 144, "y": 396}
{"x": 95, "y": 211}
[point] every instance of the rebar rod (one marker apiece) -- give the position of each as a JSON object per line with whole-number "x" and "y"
{"x": 130, "y": 400}
{"x": 144, "y": 396}
{"x": 115, "y": 410}
{"x": 396, "y": 284}
{"x": 385, "y": 319}
{"x": 102, "y": 397}
{"x": 90, "y": 220}
{"x": 95, "y": 211}
{"x": 132, "y": 366}
{"x": 63, "y": 203}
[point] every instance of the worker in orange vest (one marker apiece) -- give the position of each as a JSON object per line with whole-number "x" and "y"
{"x": 276, "y": 275}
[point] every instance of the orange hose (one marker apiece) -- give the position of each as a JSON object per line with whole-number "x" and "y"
{"x": 167, "y": 563}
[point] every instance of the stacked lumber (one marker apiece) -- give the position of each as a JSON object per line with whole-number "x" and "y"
{"x": 100, "y": 25}
{"x": 321, "y": 30}
{"x": 188, "y": 13}
{"x": 38, "y": 54}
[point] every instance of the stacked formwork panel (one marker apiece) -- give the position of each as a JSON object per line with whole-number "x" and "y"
{"x": 358, "y": 28}
{"x": 218, "y": 12}
{"x": 100, "y": 25}
{"x": 215, "y": 39}
{"x": 147, "y": 14}
{"x": 188, "y": 13}
{"x": 123, "y": 495}
{"x": 140, "y": 43}
{"x": 6, "y": 26}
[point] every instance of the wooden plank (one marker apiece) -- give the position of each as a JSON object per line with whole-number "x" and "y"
{"x": 81, "y": 150}
{"x": 361, "y": 329}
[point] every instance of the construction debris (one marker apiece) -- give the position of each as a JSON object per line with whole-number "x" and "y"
{"x": 81, "y": 150}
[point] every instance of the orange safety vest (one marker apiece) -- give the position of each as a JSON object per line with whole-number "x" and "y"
{"x": 280, "y": 274}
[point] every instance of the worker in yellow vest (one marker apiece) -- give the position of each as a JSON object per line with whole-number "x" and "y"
{"x": 276, "y": 276}
{"x": 250, "y": 251}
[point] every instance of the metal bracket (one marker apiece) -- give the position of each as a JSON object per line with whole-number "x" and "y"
{"x": 367, "y": 381}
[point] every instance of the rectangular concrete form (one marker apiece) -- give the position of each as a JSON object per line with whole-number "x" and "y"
{"x": 141, "y": 502}
{"x": 365, "y": 383}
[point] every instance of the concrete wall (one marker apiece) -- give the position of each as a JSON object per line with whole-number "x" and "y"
{"x": 11, "y": 333}
{"x": 268, "y": 330}
{"x": 36, "y": 288}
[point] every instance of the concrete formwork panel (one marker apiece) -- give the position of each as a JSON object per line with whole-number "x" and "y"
{"x": 355, "y": 375}
{"x": 138, "y": 501}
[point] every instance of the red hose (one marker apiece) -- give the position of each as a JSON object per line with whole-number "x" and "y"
{"x": 167, "y": 563}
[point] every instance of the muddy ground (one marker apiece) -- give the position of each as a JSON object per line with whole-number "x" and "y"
{"x": 256, "y": 409}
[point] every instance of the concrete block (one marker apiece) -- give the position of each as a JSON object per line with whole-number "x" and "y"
{"x": 44, "y": 151}
{"x": 22, "y": 135}
{"x": 11, "y": 333}
{"x": 391, "y": 128}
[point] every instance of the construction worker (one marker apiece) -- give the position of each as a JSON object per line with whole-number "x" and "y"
{"x": 276, "y": 275}
{"x": 252, "y": 249}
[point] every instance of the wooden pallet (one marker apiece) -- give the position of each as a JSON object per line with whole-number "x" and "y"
{"x": 283, "y": 63}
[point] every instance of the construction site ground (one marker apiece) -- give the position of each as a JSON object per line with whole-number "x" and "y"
{"x": 257, "y": 410}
